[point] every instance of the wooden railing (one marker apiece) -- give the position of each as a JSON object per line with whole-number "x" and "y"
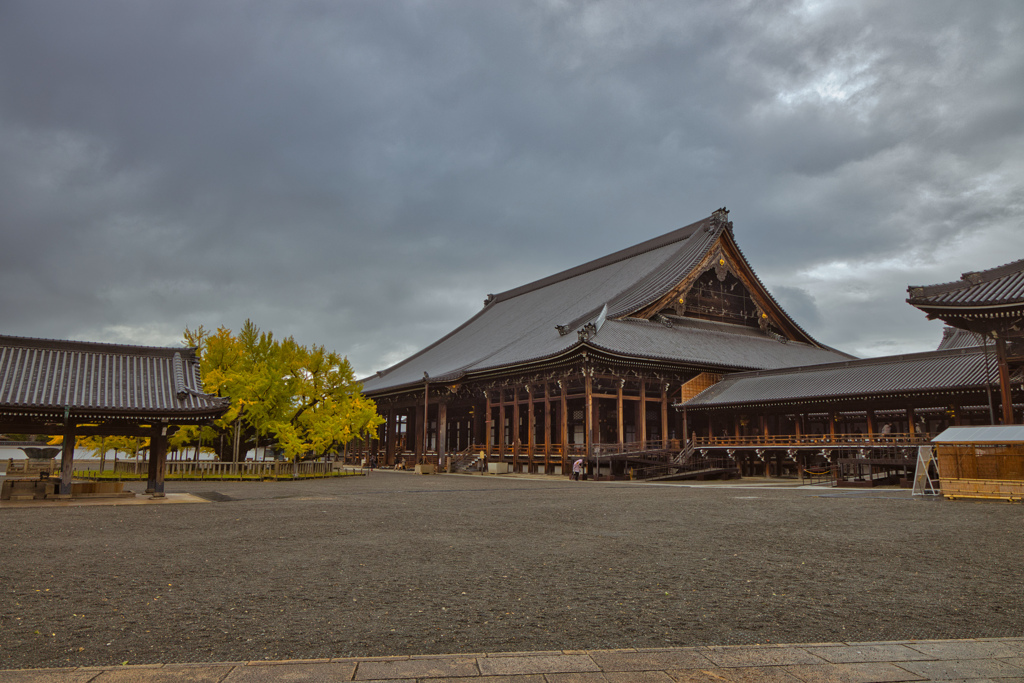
{"x": 253, "y": 469}
{"x": 787, "y": 440}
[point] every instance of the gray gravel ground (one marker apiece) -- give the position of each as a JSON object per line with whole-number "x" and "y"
{"x": 402, "y": 564}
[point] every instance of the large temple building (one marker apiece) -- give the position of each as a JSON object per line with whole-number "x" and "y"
{"x": 671, "y": 359}
{"x": 590, "y": 361}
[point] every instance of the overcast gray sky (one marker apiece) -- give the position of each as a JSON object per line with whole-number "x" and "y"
{"x": 362, "y": 174}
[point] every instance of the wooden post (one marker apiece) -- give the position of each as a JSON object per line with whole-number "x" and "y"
{"x": 618, "y": 413}
{"x": 442, "y": 432}
{"x": 564, "y": 420}
{"x": 588, "y": 412}
{"x": 1004, "y": 381}
{"x": 488, "y": 426}
{"x": 642, "y": 422}
{"x": 832, "y": 426}
{"x": 871, "y": 424}
{"x": 515, "y": 430}
{"x": 910, "y": 422}
{"x": 426, "y": 419}
{"x": 157, "y": 461}
{"x": 547, "y": 428}
{"x": 417, "y": 436}
{"x": 67, "y": 458}
{"x": 500, "y": 431}
{"x": 531, "y": 428}
{"x": 664, "y": 417}
{"x": 391, "y": 434}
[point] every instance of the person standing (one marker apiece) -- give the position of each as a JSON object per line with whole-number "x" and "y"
{"x": 577, "y": 467}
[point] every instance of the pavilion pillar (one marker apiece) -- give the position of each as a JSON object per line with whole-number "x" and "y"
{"x": 832, "y": 426}
{"x": 618, "y": 415}
{"x": 157, "y": 461}
{"x": 1004, "y": 381}
{"x": 442, "y": 433}
{"x": 871, "y": 424}
{"x": 664, "y": 416}
{"x": 910, "y": 421}
{"x": 67, "y": 459}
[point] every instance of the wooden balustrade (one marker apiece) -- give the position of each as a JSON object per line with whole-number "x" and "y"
{"x": 786, "y": 440}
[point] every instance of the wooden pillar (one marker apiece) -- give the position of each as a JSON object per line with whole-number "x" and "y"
{"x": 956, "y": 414}
{"x": 664, "y": 417}
{"x": 417, "y": 436}
{"x": 642, "y": 414}
{"x": 157, "y": 461}
{"x": 391, "y": 433}
{"x": 618, "y": 413}
{"x": 67, "y": 458}
{"x": 832, "y": 425}
{"x": 547, "y": 428}
{"x": 1004, "y": 381}
{"x": 588, "y": 412}
{"x": 426, "y": 417}
{"x": 564, "y": 420}
{"x": 442, "y": 431}
{"x": 515, "y": 430}
{"x": 500, "y": 431}
{"x": 910, "y": 422}
{"x": 488, "y": 426}
{"x": 531, "y": 427}
{"x": 871, "y": 424}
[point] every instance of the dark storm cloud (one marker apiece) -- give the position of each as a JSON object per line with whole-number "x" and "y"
{"x": 362, "y": 174}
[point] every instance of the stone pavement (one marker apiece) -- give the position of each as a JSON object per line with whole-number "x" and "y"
{"x": 986, "y": 659}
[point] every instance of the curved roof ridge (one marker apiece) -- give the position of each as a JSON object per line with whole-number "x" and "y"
{"x": 92, "y": 347}
{"x": 621, "y": 255}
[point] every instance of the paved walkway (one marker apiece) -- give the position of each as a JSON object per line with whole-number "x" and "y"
{"x": 998, "y": 659}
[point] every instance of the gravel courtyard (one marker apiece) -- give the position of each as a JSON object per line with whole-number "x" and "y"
{"x": 397, "y": 563}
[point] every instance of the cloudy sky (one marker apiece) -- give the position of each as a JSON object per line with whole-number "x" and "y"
{"x": 362, "y": 174}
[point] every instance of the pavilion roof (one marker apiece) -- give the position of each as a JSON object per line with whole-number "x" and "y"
{"x": 996, "y": 286}
{"x": 919, "y": 373}
{"x": 46, "y": 377}
{"x": 594, "y": 305}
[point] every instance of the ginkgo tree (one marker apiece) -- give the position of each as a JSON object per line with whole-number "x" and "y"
{"x": 303, "y": 401}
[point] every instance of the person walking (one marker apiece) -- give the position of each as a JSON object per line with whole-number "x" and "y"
{"x": 577, "y": 468}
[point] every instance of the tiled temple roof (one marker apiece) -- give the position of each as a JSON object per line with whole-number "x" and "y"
{"x": 1001, "y": 285}
{"x": 93, "y": 380}
{"x": 932, "y": 371}
{"x": 542, "y": 320}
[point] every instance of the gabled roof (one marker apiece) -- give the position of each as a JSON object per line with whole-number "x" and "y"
{"x": 993, "y": 287}
{"x": 45, "y": 377}
{"x": 918, "y": 373}
{"x": 594, "y": 305}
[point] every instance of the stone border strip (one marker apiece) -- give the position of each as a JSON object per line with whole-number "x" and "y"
{"x": 981, "y": 659}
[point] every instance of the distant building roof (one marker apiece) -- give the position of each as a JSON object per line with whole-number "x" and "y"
{"x": 932, "y": 371}
{"x": 45, "y": 377}
{"x": 956, "y": 338}
{"x": 607, "y": 304}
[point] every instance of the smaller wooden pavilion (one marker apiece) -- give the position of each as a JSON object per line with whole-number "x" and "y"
{"x": 981, "y": 462}
{"x": 91, "y": 389}
{"x": 989, "y": 303}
